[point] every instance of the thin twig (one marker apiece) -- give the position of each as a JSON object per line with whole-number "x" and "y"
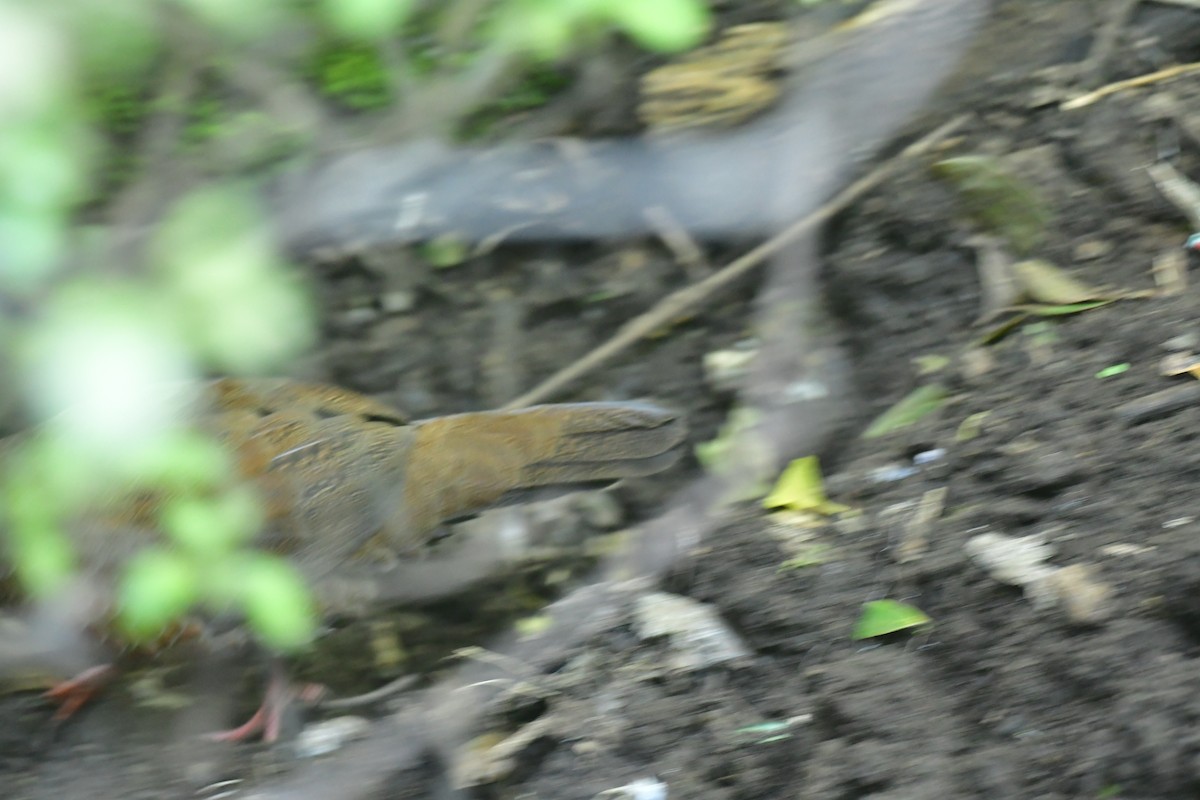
{"x": 1160, "y": 404}
{"x": 1167, "y": 74}
{"x": 690, "y": 297}
{"x": 397, "y": 686}
{"x": 683, "y": 247}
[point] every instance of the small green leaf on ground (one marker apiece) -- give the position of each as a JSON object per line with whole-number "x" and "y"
{"x": 881, "y": 617}
{"x": 800, "y": 489}
{"x": 915, "y": 405}
{"x": 1114, "y": 370}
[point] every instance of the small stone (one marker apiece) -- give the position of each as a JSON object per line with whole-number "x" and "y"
{"x": 1181, "y": 363}
{"x": 1043, "y": 470}
{"x": 1073, "y": 589}
{"x": 975, "y": 364}
{"x": 329, "y": 736}
{"x": 699, "y": 637}
{"x": 726, "y": 370}
{"x": 1092, "y": 249}
{"x": 1184, "y": 342}
{"x": 1084, "y": 599}
{"x": 1011, "y": 560}
{"x": 357, "y": 317}
{"x": 1046, "y": 95}
{"x": 399, "y": 301}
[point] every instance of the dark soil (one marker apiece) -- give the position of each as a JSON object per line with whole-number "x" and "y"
{"x": 998, "y": 698}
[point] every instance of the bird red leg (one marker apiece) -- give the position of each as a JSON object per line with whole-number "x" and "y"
{"x": 267, "y": 720}
{"x": 72, "y": 695}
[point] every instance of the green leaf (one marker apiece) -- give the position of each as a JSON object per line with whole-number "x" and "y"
{"x": 800, "y": 489}
{"x": 713, "y": 454}
{"x": 663, "y": 25}
{"x": 881, "y": 617}
{"x": 277, "y": 602}
{"x": 541, "y": 29}
{"x": 33, "y": 241}
{"x": 50, "y": 471}
{"x": 213, "y": 526}
{"x": 204, "y": 225}
{"x": 180, "y": 461}
{"x": 232, "y": 299}
{"x": 739, "y": 454}
{"x": 916, "y": 404}
{"x": 42, "y": 557}
{"x": 1114, "y": 370}
{"x": 271, "y": 322}
{"x": 97, "y": 364}
{"x": 158, "y": 587}
{"x": 366, "y": 19}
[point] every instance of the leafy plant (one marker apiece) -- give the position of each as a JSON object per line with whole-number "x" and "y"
{"x": 881, "y": 617}
{"x": 102, "y": 102}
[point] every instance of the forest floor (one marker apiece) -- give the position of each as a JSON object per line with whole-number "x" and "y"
{"x": 1000, "y": 697}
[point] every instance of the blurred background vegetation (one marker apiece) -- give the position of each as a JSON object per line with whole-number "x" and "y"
{"x": 138, "y": 258}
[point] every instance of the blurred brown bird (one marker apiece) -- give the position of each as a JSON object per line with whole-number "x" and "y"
{"x": 346, "y": 479}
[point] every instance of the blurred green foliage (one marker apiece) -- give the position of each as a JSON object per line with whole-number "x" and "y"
{"x": 355, "y": 76}
{"x": 540, "y": 84}
{"x": 115, "y": 339}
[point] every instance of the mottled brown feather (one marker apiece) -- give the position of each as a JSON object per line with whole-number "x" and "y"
{"x": 342, "y": 474}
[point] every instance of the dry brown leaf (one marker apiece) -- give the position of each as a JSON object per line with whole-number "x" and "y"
{"x": 1045, "y": 283}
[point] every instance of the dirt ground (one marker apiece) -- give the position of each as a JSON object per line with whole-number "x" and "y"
{"x": 999, "y": 697}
